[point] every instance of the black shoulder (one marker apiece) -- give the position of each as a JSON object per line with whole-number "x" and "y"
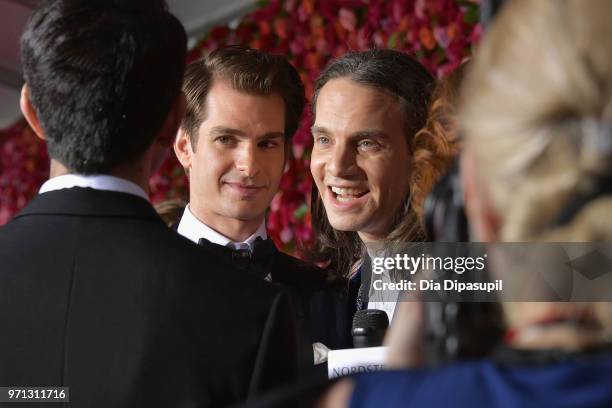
{"x": 291, "y": 270}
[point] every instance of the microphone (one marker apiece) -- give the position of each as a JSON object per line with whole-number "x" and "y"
{"x": 369, "y": 328}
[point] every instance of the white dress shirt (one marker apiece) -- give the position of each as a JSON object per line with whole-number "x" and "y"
{"x": 95, "y": 181}
{"x": 193, "y": 229}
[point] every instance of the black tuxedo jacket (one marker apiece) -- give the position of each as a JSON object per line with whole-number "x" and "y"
{"x": 98, "y": 295}
{"x": 320, "y": 303}
{"x": 321, "y": 306}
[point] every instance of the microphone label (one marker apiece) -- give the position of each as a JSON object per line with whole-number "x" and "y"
{"x": 353, "y": 361}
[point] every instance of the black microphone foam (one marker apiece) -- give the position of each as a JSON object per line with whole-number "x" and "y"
{"x": 369, "y": 327}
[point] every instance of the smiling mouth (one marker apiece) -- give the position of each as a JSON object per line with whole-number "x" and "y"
{"x": 244, "y": 186}
{"x": 246, "y": 189}
{"x": 345, "y": 195}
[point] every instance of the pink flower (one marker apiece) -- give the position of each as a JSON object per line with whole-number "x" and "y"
{"x": 379, "y": 39}
{"x": 275, "y": 204}
{"x": 302, "y": 13}
{"x": 347, "y": 19}
{"x": 5, "y": 215}
{"x": 297, "y": 46}
{"x": 419, "y": 9}
{"x": 286, "y": 235}
{"x": 290, "y": 6}
{"x": 441, "y": 36}
{"x": 321, "y": 46}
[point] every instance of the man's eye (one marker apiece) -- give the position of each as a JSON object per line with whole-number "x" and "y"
{"x": 268, "y": 144}
{"x": 225, "y": 139}
{"x": 323, "y": 140}
{"x": 367, "y": 145}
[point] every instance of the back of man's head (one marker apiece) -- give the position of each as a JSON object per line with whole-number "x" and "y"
{"x": 102, "y": 76}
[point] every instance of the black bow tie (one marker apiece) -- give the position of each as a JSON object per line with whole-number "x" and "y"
{"x": 255, "y": 261}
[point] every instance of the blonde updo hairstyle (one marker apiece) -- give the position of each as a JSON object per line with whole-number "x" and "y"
{"x": 537, "y": 113}
{"x": 537, "y": 116}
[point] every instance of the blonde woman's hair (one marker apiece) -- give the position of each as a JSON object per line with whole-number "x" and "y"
{"x": 537, "y": 113}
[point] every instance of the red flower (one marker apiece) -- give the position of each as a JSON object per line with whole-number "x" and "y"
{"x": 281, "y": 28}
{"x": 264, "y": 27}
{"x": 427, "y": 38}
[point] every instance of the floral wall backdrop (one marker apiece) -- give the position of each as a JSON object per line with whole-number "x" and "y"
{"x": 440, "y": 33}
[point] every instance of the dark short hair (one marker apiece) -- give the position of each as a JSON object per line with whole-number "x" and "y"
{"x": 246, "y": 70}
{"x": 406, "y": 79}
{"x": 102, "y": 76}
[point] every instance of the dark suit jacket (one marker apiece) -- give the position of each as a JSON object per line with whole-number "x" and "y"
{"x": 97, "y": 294}
{"x": 320, "y": 305}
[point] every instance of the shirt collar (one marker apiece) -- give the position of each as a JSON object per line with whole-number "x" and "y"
{"x": 95, "y": 181}
{"x": 192, "y": 228}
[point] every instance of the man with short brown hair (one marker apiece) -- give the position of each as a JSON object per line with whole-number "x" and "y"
{"x": 243, "y": 107}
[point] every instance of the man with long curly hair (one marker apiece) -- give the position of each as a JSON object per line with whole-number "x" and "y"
{"x": 371, "y": 171}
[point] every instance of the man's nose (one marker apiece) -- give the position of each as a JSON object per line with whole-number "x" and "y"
{"x": 247, "y": 160}
{"x": 341, "y": 161}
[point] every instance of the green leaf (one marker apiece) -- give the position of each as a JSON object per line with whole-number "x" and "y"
{"x": 361, "y": 14}
{"x": 440, "y": 54}
{"x": 392, "y": 43}
{"x": 472, "y": 14}
{"x": 301, "y": 211}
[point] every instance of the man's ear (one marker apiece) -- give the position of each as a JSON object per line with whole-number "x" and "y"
{"x": 167, "y": 133}
{"x": 183, "y": 148}
{"x": 29, "y": 112}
